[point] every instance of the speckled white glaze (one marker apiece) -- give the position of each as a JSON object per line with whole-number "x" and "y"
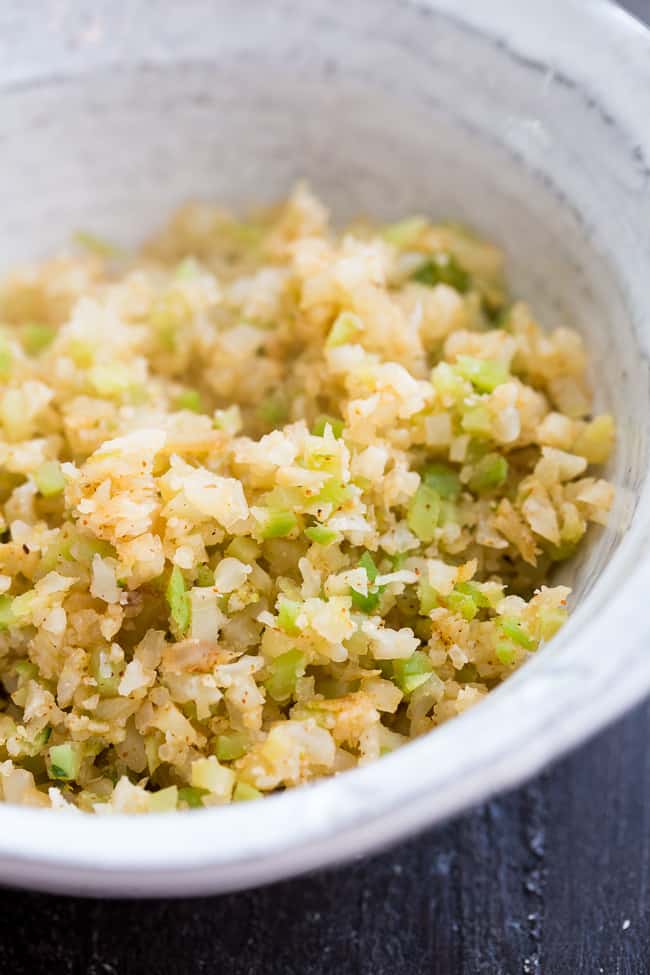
{"x": 530, "y": 120}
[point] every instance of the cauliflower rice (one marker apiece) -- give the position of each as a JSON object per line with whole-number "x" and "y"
{"x": 274, "y": 500}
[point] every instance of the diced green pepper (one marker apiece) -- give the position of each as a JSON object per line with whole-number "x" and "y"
{"x": 189, "y": 399}
{"x": 97, "y": 245}
{"x": 110, "y": 378}
{"x": 279, "y": 524}
{"x": 151, "y": 745}
{"x": 561, "y": 552}
{"x": 596, "y": 439}
{"x": 447, "y": 383}
{"x": 404, "y": 233}
{"x": 192, "y": 795}
{"x": 164, "y": 800}
{"x": 288, "y": 612}
{"x": 397, "y": 560}
{"x": 334, "y": 492}
{"x": 204, "y": 576}
{"x": 367, "y": 562}
{"x": 489, "y": 473}
{"x": 515, "y": 631}
{"x": 413, "y": 672}
{"x": 168, "y": 313}
{"x": 443, "y": 269}
{"x": 243, "y": 233}
{"x": 64, "y": 762}
{"x": 26, "y": 671}
{"x": 484, "y": 374}
{"x": 186, "y": 270}
{"x": 321, "y": 534}
{"x": 502, "y": 317}
{"x": 274, "y": 410}
{"x": 448, "y": 513}
{"x": 80, "y": 352}
{"x": 6, "y": 358}
{"x": 506, "y": 652}
{"x": 550, "y": 620}
{"x": 462, "y": 603}
{"x": 83, "y": 548}
{"x": 423, "y": 513}
{"x": 21, "y": 606}
{"x": 245, "y": 792}
{"x": 366, "y": 604}
{"x": 244, "y": 549}
{"x": 36, "y": 337}
{"x": 467, "y": 674}
{"x": 7, "y": 617}
{"x": 40, "y": 740}
{"x": 284, "y": 672}
{"x": 178, "y": 601}
{"x": 231, "y": 747}
{"x": 471, "y": 589}
{"x": 443, "y": 479}
{"x": 322, "y": 421}
{"x": 428, "y": 597}
{"x": 13, "y": 409}
{"x": 345, "y": 329}
{"x": 49, "y": 478}
{"x": 324, "y": 459}
{"x": 476, "y": 421}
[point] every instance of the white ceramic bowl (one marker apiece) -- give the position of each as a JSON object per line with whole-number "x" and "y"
{"x": 530, "y": 120}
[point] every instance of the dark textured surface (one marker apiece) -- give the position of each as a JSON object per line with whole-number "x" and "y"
{"x": 641, "y": 8}
{"x": 551, "y": 879}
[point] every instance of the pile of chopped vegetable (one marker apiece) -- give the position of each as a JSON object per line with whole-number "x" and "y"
{"x": 273, "y": 501}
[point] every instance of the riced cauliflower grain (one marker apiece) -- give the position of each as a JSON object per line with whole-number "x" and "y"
{"x": 273, "y": 501}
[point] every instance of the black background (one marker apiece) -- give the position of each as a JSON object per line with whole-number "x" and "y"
{"x": 551, "y": 879}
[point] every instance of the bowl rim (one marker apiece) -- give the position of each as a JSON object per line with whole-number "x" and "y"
{"x": 362, "y": 809}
